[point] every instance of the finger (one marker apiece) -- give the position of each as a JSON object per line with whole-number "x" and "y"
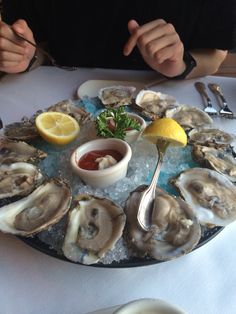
{"x": 7, "y": 64}
{"x": 7, "y": 45}
{"x": 169, "y": 53}
{"x": 132, "y": 26}
{"x": 21, "y": 27}
{"x": 152, "y": 47}
{"x": 11, "y": 57}
{"x": 7, "y": 32}
{"x": 130, "y": 44}
{"x": 137, "y": 32}
{"x": 163, "y": 31}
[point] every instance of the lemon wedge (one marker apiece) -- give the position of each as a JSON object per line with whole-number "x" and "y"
{"x": 57, "y": 128}
{"x": 166, "y": 129}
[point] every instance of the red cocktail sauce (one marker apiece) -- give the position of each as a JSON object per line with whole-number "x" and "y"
{"x": 87, "y": 161}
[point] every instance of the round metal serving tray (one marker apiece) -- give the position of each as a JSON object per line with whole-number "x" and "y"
{"x": 51, "y": 167}
{"x": 37, "y": 244}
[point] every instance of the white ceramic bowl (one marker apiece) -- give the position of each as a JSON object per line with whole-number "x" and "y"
{"x": 106, "y": 177}
{"x": 132, "y": 135}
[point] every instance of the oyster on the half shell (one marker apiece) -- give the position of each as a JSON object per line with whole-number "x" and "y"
{"x": 175, "y": 231}
{"x": 19, "y": 178}
{"x": 116, "y": 96}
{"x": 153, "y": 104}
{"x": 14, "y": 151}
{"x": 24, "y": 130}
{"x": 189, "y": 117}
{"x": 210, "y": 137}
{"x": 217, "y": 159}
{"x": 94, "y": 226}
{"x": 67, "y": 107}
{"x": 42, "y": 208}
{"x": 210, "y": 194}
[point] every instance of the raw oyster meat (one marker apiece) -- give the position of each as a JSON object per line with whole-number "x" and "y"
{"x": 13, "y": 151}
{"x": 210, "y": 194}
{"x": 175, "y": 231}
{"x": 153, "y": 104}
{"x": 210, "y": 137}
{"x": 116, "y": 96}
{"x": 67, "y": 107}
{"x": 36, "y": 212}
{"x": 19, "y": 178}
{"x": 217, "y": 159}
{"x": 94, "y": 226}
{"x": 189, "y": 117}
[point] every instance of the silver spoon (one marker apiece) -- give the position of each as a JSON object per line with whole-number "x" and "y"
{"x": 145, "y": 206}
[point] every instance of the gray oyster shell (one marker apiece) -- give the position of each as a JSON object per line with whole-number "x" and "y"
{"x": 19, "y": 179}
{"x": 42, "y": 208}
{"x": 94, "y": 226}
{"x": 116, "y": 96}
{"x": 67, "y": 107}
{"x": 210, "y": 137}
{"x": 153, "y": 104}
{"x": 175, "y": 231}
{"x": 26, "y": 130}
{"x": 21, "y": 131}
{"x": 210, "y": 194}
{"x": 217, "y": 159}
{"x": 15, "y": 151}
{"x": 189, "y": 117}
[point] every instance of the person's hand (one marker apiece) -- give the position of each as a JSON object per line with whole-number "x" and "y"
{"x": 159, "y": 45}
{"x": 15, "y": 53}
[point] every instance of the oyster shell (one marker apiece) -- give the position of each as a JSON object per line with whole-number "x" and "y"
{"x": 18, "y": 179}
{"x": 116, "y": 96}
{"x": 153, "y": 104}
{"x": 189, "y": 117}
{"x": 210, "y": 194}
{"x": 36, "y": 212}
{"x": 21, "y": 131}
{"x": 218, "y": 159}
{"x": 13, "y": 151}
{"x": 26, "y": 130}
{"x": 210, "y": 137}
{"x": 67, "y": 107}
{"x": 176, "y": 230}
{"x": 94, "y": 226}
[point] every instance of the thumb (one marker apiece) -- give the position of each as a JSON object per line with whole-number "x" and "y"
{"x": 21, "y": 27}
{"x": 132, "y": 26}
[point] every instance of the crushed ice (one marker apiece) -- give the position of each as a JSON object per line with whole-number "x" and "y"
{"x": 140, "y": 171}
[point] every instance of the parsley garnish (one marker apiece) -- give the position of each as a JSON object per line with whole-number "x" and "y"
{"x": 120, "y": 123}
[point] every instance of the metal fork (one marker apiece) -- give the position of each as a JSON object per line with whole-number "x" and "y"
{"x": 200, "y": 87}
{"x": 224, "y": 111}
{"x": 43, "y": 51}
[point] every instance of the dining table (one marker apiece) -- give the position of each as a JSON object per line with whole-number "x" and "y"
{"x": 200, "y": 282}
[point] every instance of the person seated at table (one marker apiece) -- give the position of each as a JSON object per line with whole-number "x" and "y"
{"x": 178, "y": 39}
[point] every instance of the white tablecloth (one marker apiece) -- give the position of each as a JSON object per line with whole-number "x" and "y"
{"x": 202, "y": 282}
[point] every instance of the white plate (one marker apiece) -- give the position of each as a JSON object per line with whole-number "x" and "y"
{"x": 90, "y": 88}
{"x": 142, "y": 305}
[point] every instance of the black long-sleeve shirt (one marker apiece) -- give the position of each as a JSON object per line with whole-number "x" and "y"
{"x": 93, "y": 33}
